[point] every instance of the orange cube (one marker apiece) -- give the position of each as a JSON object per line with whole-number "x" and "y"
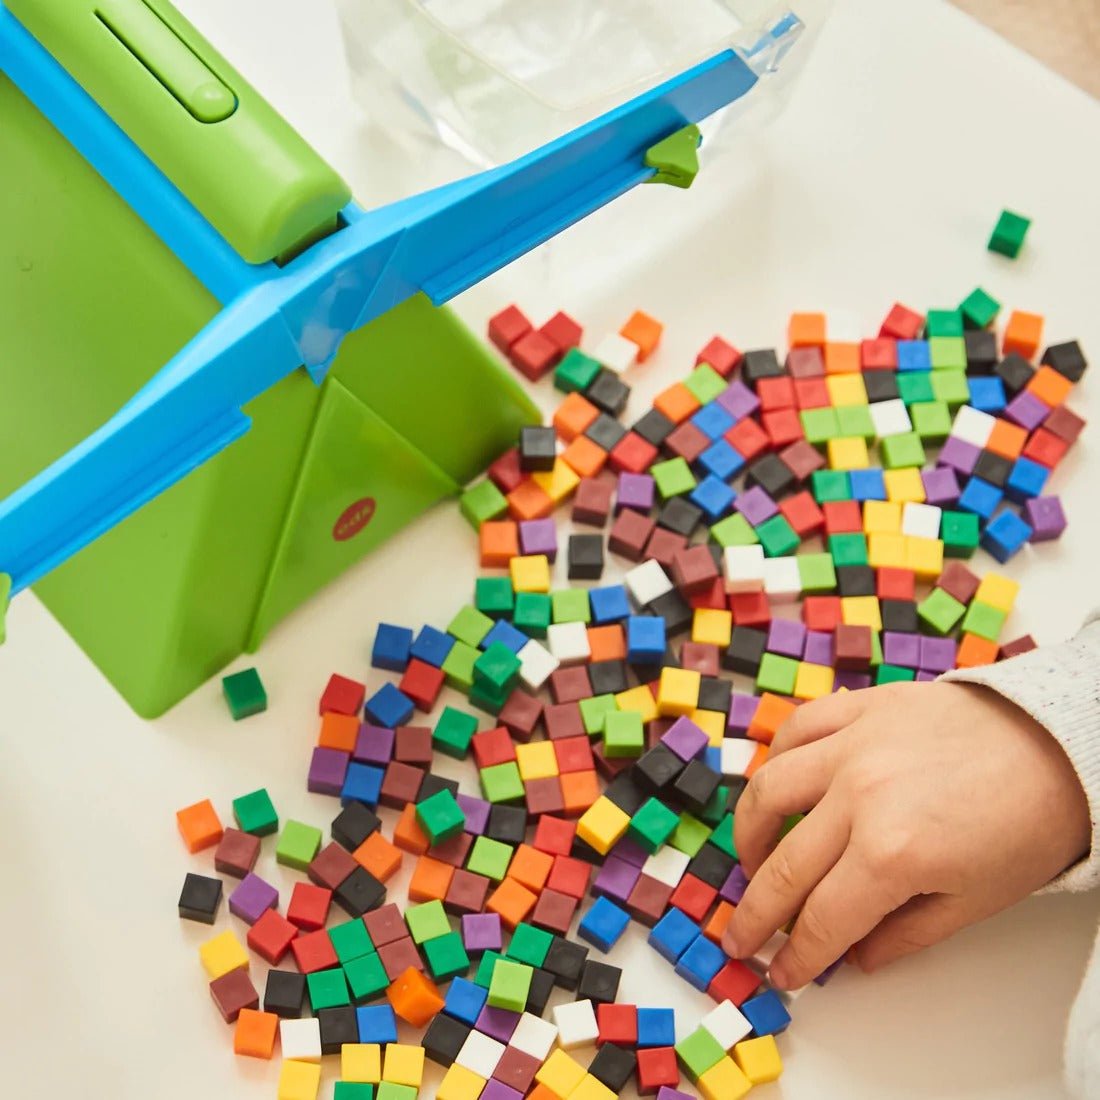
{"x": 842, "y": 358}
{"x": 607, "y": 643}
{"x": 530, "y": 867}
{"x": 974, "y": 651}
{"x": 719, "y": 919}
{"x": 1006, "y": 439}
{"x": 377, "y": 855}
{"x": 578, "y": 791}
{"x": 414, "y": 997}
{"x": 511, "y": 900}
{"x": 1023, "y": 333}
{"x": 199, "y": 825}
{"x": 584, "y": 457}
{"x": 645, "y": 331}
{"x": 759, "y": 759}
{"x": 431, "y": 880}
{"x": 408, "y": 834}
{"x": 574, "y": 416}
{"x": 772, "y": 712}
{"x": 677, "y": 402}
{"x": 255, "y": 1033}
{"x": 528, "y": 501}
{"x": 338, "y": 731}
{"x": 1049, "y": 386}
{"x": 806, "y": 330}
{"x": 498, "y": 542}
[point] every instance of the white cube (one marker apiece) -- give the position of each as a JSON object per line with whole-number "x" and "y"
{"x": 782, "y": 580}
{"x": 301, "y": 1039}
{"x": 921, "y": 520}
{"x": 667, "y": 866}
{"x": 480, "y": 1054}
{"x": 534, "y": 1036}
{"x": 536, "y": 664}
{"x": 737, "y": 755}
{"x": 765, "y": 956}
{"x": 646, "y": 582}
{"x": 890, "y": 418}
{"x": 973, "y": 426}
{"x": 568, "y": 642}
{"x": 727, "y": 1024}
{"x": 616, "y": 353}
{"x": 576, "y": 1024}
{"x": 743, "y": 568}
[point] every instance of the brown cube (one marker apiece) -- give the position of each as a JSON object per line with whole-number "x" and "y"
{"x": 693, "y": 569}
{"x": 544, "y": 796}
{"x": 331, "y": 866}
{"x": 629, "y": 534}
{"x": 700, "y": 657}
{"x": 517, "y": 1070}
{"x": 400, "y": 784}
{"x": 663, "y": 546}
{"x": 686, "y": 441}
{"x": 413, "y": 745}
{"x": 648, "y": 900}
{"x": 592, "y": 501}
{"x": 385, "y": 925}
{"x": 521, "y": 715}
{"x": 232, "y": 992}
{"x": 802, "y": 459}
{"x": 568, "y": 685}
{"x": 236, "y": 853}
{"x": 467, "y": 893}
{"x": 554, "y": 912}
{"x": 852, "y": 647}
{"x": 398, "y": 956}
{"x": 958, "y": 581}
{"x": 454, "y": 850}
{"x": 563, "y": 720}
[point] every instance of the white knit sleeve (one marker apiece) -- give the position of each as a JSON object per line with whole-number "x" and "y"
{"x": 1059, "y": 686}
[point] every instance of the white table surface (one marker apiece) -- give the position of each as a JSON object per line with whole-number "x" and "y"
{"x": 912, "y": 129}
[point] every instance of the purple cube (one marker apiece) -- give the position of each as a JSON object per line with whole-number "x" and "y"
{"x": 252, "y": 898}
{"x": 374, "y": 745}
{"x": 499, "y": 1023}
{"x": 959, "y": 455}
{"x": 476, "y": 811}
{"x": 937, "y": 654}
{"x": 630, "y": 850}
{"x": 634, "y": 491}
{"x": 497, "y": 1090}
{"x": 901, "y": 649}
{"x": 924, "y": 676}
{"x": 539, "y": 536}
{"x": 742, "y": 711}
{"x": 1046, "y": 518}
{"x": 482, "y": 932}
{"x": 818, "y": 649}
{"x": 733, "y": 889}
{"x": 615, "y": 879}
{"x": 327, "y": 769}
{"x": 685, "y": 739}
{"x": 853, "y": 681}
{"x": 756, "y": 506}
{"x": 738, "y": 400}
{"x": 941, "y": 486}
{"x": 665, "y": 1093}
{"x": 1026, "y": 410}
{"x": 829, "y": 971}
{"x": 787, "y": 637}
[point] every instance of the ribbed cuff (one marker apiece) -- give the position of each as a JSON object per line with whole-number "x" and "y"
{"x": 1059, "y": 686}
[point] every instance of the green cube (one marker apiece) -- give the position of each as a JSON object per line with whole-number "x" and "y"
{"x": 848, "y": 548}
{"x": 576, "y": 372}
{"x": 453, "y": 733}
{"x": 876, "y": 649}
{"x": 705, "y": 383}
{"x": 482, "y": 502}
{"x": 672, "y": 477}
{"x": 777, "y": 674}
{"x": 829, "y": 485}
{"x": 446, "y": 957}
{"x": 979, "y": 309}
{"x": 699, "y": 1052}
{"x": 931, "y": 420}
{"x": 960, "y": 532}
{"x": 427, "y": 921}
{"x": 951, "y": 387}
{"x": 570, "y": 605}
{"x": 652, "y": 825}
{"x": 440, "y": 816}
{"x": 623, "y": 734}
{"x": 367, "y": 977}
{"x": 855, "y": 421}
{"x": 903, "y": 450}
{"x": 690, "y": 835}
{"x": 458, "y": 665}
{"x": 484, "y": 973}
{"x": 327, "y": 989}
{"x": 777, "y": 537}
{"x": 939, "y": 611}
{"x": 389, "y": 1091}
{"x": 734, "y": 530}
{"x": 716, "y": 806}
{"x": 298, "y": 845}
{"x": 529, "y": 945}
{"x": 894, "y": 674}
{"x": 353, "y": 1090}
{"x": 497, "y": 667}
{"x": 532, "y": 614}
{"x": 915, "y": 385}
{"x": 947, "y": 353}
{"x": 350, "y": 941}
{"x": 1009, "y": 233}
{"x": 722, "y": 837}
{"x": 816, "y": 573}
{"x": 943, "y": 322}
{"x": 820, "y": 425}
{"x": 255, "y": 813}
{"x": 490, "y": 858}
{"x": 510, "y": 985}
{"x": 983, "y": 620}
{"x": 244, "y": 692}
{"x": 594, "y": 710}
{"x": 502, "y": 783}
{"x": 470, "y": 626}
{"x": 494, "y": 596}
{"x": 488, "y": 698}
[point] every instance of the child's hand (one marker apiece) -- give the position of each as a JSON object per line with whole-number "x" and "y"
{"x": 934, "y": 806}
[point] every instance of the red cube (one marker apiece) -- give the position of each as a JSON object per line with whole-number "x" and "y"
{"x": 617, "y": 1024}
{"x": 342, "y": 696}
{"x": 734, "y": 982}
{"x": 895, "y": 584}
{"x": 574, "y": 754}
{"x": 554, "y": 835}
{"x": 750, "y": 609}
{"x": 783, "y": 426}
{"x": 721, "y": 355}
{"x": 492, "y": 747}
{"x": 271, "y": 936}
{"x": 314, "y": 951}
{"x": 748, "y": 439}
{"x": 562, "y": 331}
{"x": 821, "y": 612}
{"x": 880, "y": 354}
{"x": 694, "y": 897}
{"x": 533, "y": 355}
{"x": 657, "y": 1069}
{"x": 506, "y": 473}
{"x": 632, "y": 454}
{"x": 507, "y": 326}
{"x": 309, "y": 905}
{"x": 902, "y": 323}
{"x": 842, "y": 517}
{"x": 811, "y": 393}
{"x": 713, "y": 596}
{"x": 422, "y": 683}
{"x": 1045, "y": 448}
{"x": 775, "y": 393}
{"x": 802, "y": 512}
{"x": 569, "y": 876}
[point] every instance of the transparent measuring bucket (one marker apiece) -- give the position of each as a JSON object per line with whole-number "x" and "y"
{"x": 493, "y": 79}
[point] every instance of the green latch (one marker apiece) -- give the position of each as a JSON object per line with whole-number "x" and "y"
{"x": 5, "y": 596}
{"x": 676, "y": 158}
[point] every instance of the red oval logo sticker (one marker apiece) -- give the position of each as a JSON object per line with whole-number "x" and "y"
{"x": 354, "y": 519}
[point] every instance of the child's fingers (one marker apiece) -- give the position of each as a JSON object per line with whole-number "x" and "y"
{"x": 843, "y": 908}
{"x": 919, "y": 923}
{"x": 818, "y": 718}
{"x": 785, "y": 785}
{"x": 786, "y": 879}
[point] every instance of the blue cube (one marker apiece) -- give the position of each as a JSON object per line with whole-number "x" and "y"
{"x": 603, "y": 924}
{"x": 767, "y": 1013}
{"x": 391, "y": 647}
{"x": 980, "y": 497}
{"x": 714, "y": 497}
{"x": 465, "y": 1000}
{"x": 721, "y": 460}
{"x": 609, "y": 604}
{"x": 377, "y": 1024}
{"x": 712, "y": 757}
{"x": 656, "y": 1027}
{"x": 713, "y": 421}
{"x": 700, "y": 962}
{"x": 389, "y": 706}
{"x": 507, "y": 635}
{"x": 645, "y": 639}
{"x": 867, "y": 484}
{"x": 431, "y": 646}
{"x": 987, "y": 393}
{"x": 362, "y": 783}
{"x": 1027, "y": 479}
{"x": 914, "y": 355}
{"x": 1004, "y": 535}
{"x": 673, "y": 934}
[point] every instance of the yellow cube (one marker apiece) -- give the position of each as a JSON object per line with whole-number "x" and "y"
{"x": 460, "y": 1083}
{"x": 861, "y": 611}
{"x": 846, "y": 389}
{"x": 530, "y": 573}
{"x": 997, "y": 591}
{"x": 299, "y": 1080}
{"x": 537, "y": 760}
{"x": 759, "y": 1059}
{"x": 561, "y": 1073}
{"x": 886, "y": 551}
{"x": 677, "y": 692}
{"x": 558, "y": 483}
{"x": 881, "y": 517}
{"x": 904, "y": 485}
{"x": 222, "y": 954}
{"x": 711, "y": 626}
{"x": 712, "y": 723}
{"x": 813, "y": 681}
{"x": 602, "y": 825}
{"x": 723, "y": 1081}
{"x": 592, "y": 1088}
{"x": 361, "y": 1063}
{"x": 404, "y": 1065}
{"x": 848, "y": 453}
{"x": 924, "y": 557}
{"x": 640, "y": 700}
